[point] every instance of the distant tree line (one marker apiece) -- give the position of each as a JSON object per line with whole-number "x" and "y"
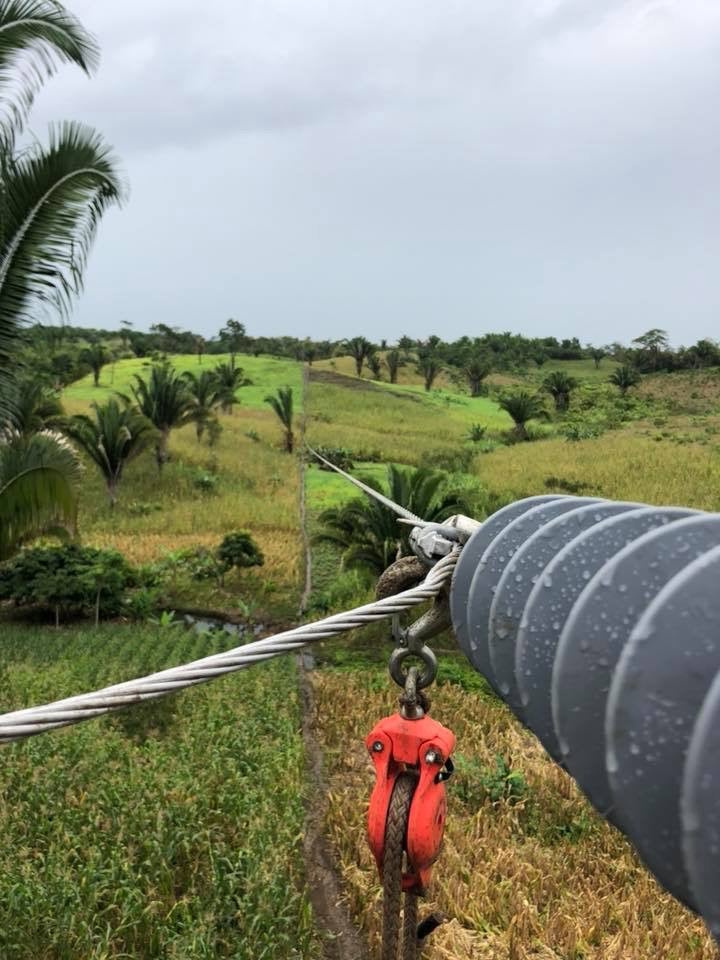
{"x": 63, "y": 353}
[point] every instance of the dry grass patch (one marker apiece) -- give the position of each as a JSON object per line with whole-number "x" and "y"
{"x": 620, "y": 465}
{"x": 542, "y": 877}
{"x": 691, "y": 391}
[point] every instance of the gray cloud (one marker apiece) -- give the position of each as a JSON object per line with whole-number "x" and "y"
{"x": 322, "y": 168}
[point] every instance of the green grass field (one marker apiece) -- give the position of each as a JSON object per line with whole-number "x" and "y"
{"x": 169, "y": 832}
{"x": 390, "y": 424}
{"x": 173, "y": 831}
{"x": 266, "y": 373}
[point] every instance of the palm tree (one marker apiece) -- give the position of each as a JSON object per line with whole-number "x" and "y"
{"x": 374, "y": 361}
{"x": 95, "y": 356}
{"x": 35, "y": 406}
{"x": 359, "y": 349}
{"x": 624, "y": 378}
{"x": 368, "y": 532}
{"x": 229, "y": 378}
{"x": 113, "y": 437}
{"x": 394, "y": 361}
{"x": 597, "y": 356}
{"x": 51, "y": 201}
{"x": 207, "y": 395}
{"x": 475, "y": 370}
{"x": 165, "y": 401}
{"x": 559, "y": 385}
{"x": 282, "y": 404}
{"x": 429, "y": 366}
{"x": 38, "y": 496}
{"x": 522, "y": 407}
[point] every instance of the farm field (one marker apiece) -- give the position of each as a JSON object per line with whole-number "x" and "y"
{"x": 254, "y": 489}
{"x": 530, "y": 872}
{"x": 159, "y": 834}
{"x": 170, "y": 831}
{"x": 266, "y": 374}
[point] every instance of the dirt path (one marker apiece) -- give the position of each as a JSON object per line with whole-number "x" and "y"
{"x": 341, "y": 940}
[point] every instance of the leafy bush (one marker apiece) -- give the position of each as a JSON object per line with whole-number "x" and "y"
{"x": 238, "y": 549}
{"x": 577, "y": 430}
{"x": 206, "y": 482}
{"x": 200, "y": 563}
{"x": 476, "y": 433}
{"x": 338, "y": 456}
{"x": 475, "y": 784}
{"x": 368, "y": 456}
{"x": 69, "y": 578}
{"x": 140, "y": 604}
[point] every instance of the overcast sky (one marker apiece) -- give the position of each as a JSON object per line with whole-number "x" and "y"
{"x": 415, "y": 166}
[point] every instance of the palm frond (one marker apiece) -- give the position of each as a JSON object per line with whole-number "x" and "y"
{"x": 38, "y": 496}
{"x": 53, "y": 199}
{"x": 115, "y": 436}
{"x": 36, "y": 36}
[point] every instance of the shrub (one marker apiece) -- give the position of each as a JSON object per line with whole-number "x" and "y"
{"x": 503, "y": 783}
{"x": 476, "y": 433}
{"x": 339, "y": 457}
{"x": 201, "y": 564}
{"x": 141, "y": 603}
{"x": 206, "y": 482}
{"x": 238, "y": 549}
{"x": 69, "y": 578}
{"x": 475, "y": 784}
{"x": 579, "y": 430}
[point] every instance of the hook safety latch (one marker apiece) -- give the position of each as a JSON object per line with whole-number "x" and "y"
{"x": 423, "y": 746}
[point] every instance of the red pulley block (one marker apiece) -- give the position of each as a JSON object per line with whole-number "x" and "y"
{"x": 396, "y": 744}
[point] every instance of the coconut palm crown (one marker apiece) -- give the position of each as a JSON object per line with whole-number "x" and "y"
{"x": 368, "y": 532}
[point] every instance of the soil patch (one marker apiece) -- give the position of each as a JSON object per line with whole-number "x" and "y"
{"x": 340, "y": 938}
{"x": 357, "y": 383}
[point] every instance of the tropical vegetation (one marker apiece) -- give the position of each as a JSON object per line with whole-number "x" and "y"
{"x": 111, "y": 438}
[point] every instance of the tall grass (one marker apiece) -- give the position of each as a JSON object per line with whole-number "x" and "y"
{"x": 622, "y": 465}
{"x": 534, "y": 874}
{"x": 397, "y": 425}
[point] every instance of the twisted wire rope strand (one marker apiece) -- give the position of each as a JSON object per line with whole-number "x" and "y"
{"x": 30, "y": 721}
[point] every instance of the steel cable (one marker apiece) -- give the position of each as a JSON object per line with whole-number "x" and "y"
{"x": 28, "y": 722}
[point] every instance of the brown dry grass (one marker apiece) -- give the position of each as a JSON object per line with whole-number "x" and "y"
{"x": 512, "y": 888}
{"x": 623, "y": 465}
{"x": 690, "y": 391}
